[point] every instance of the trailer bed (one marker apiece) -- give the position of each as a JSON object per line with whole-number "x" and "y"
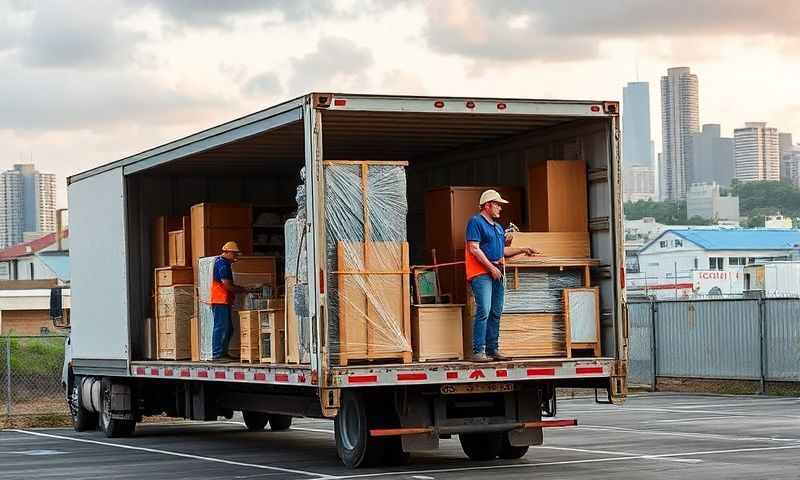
{"x": 380, "y": 375}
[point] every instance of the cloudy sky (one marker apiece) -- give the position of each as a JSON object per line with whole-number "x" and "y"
{"x": 84, "y": 82}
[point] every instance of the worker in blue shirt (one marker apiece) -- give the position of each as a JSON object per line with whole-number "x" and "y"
{"x": 223, "y": 293}
{"x": 484, "y": 254}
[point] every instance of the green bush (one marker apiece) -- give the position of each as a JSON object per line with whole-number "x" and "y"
{"x": 34, "y": 355}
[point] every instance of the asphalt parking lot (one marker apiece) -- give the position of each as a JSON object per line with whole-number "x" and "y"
{"x": 651, "y": 436}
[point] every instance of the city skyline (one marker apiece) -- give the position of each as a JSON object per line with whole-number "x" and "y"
{"x": 27, "y": 204}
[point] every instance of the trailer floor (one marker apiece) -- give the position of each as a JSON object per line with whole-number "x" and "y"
{"x": 652, "y": 436}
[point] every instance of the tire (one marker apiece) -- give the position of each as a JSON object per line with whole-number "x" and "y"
{"x": 82, "y": 419}
{"x": 112, "y": 427}
{"x": 279, "y": 423}
{"x": 510, "y": 452}
{"x": 255, "y": 421}
{"x": 356, "y": 448}
{"x": 481, "y": 447}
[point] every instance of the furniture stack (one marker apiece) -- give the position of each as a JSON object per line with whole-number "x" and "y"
{"x": 368, "y": 261}
{"x": 263, "y": 338}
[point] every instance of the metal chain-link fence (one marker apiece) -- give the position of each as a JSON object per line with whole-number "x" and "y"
{"x": 30, "y": 375}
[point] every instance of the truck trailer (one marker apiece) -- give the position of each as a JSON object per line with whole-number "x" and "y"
{"x": 382, "y": 411}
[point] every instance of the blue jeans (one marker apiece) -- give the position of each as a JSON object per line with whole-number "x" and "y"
{"x": 223, "y": 328}
{"x": 488, "y": 308}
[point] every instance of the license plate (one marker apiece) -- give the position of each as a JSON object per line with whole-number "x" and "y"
{"x": 467, "y": 388}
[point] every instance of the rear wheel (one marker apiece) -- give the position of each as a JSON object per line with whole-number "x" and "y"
{"x": 510, "y": 452}
{"x": 481, "y": 446}
{"x": 356, "y": 448}
{"x": 255, "y": 421}
{"x": 279, "y": 423}
{"x": 82, "y": 419}
{"x": 112, "y": 427}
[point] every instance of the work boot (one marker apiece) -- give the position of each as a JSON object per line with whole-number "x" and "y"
{"x": 500, "y": 357}
{"x": 480, "y": 357}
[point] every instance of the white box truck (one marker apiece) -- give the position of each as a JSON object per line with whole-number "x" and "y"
{"x": 381, "y": 412}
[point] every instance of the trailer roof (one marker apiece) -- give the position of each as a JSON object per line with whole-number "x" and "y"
{"x": 354, "y": 125}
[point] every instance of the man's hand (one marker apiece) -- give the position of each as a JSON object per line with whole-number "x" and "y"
{"x": 530, "y": 252}
{"x": 495, "y": 273}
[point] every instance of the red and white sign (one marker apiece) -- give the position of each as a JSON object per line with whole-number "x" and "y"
{"x": 717, "y": 282}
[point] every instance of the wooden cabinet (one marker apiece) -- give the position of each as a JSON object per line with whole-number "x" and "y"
{"x": 558, "y": 196}
{"x": 214, "y": 224}
{"x": 168, "y": 276}
{"x": 159, "y": 241}
{"x": 436, "y": 332}
{"x": 447, "y": 211}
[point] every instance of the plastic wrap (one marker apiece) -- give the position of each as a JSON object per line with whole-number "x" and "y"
{"x": 205, "y": 317}
{"x": 174, "y": 309}
{"x": 297, "y": 263}
{"x": 538, "y": 290}
{"x": 582, "y": 310}
{"x": 367, "y": 283}
{"x": 532, "y": 335}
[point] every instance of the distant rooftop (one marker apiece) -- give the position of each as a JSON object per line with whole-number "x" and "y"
{"x": 741, "y": 239}
{"x": 29, "y": 248}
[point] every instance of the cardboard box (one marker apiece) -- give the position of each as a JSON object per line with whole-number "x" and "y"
{"x": 214, "y": 224}
{"x": 436, "y": 332}
{"x": 557, "y": 200}
{"x": 168, "y": 276}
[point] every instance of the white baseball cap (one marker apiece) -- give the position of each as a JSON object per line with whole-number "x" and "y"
{"x": 491, "y": 196}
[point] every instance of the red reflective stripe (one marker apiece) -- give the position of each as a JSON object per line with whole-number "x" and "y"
{"x": 281, "y": 377}
{"x": 260, "y": 376}
{"x": 452, "y": 375}
{"x": 202, "y": 374}
{"x": 168, "y": 372}
{"x": 238, "y": 375}
{"x": 412, "y": 376}
{"x": 362, "y": 379}
{"x": 219, "y": 374}
{"x": 154, "y": 371}
{"x": 140, "y": 371}
{"x": 186, "y": 373}
{"x": 535, "y": 372}
{"x": 339, "y": 102}
{"x": 588, "y": 370}
{"x": 501, "y": 373}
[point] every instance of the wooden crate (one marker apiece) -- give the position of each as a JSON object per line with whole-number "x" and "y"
{"x": 213, "y": 224}
{"x": 374, "y": 301}
{"x": 249, "y": 330}
{"x": 291, "y": 321}
{"x": 168, "y": 276}
{"x": 447, "y": 211}
{"x": 436, "y": 332}
{"x": 174, "y": 309}
{"x": 180, "y": 247}
{"x": 557, "y": 201}
{"x": 554, "y": 244}
{"x": 159, "y": 239}
{"x": 582, "y": 320}
{"x": 532, "y": 335}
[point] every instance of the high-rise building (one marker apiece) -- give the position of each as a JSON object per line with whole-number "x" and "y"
{"x": 11, "y": 210}
{"x": 641, "y": 184}
{"x": 27, "y": 203}
{"x": 637, "y": 151}
{"x": 680, "y": 118}
{"x": 712, "y": 157}
{"x": 756, "y": 152}
{"x": 785, "y": 145}
{"x": 705, "y": 200}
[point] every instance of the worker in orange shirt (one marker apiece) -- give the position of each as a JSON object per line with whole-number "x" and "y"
{"x": 223, "y": 292}
{"x": 484, "y": 255}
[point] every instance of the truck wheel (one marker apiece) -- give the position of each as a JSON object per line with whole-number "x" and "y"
{"x": 481, "y": 447}
{"x": 255, "y": 421}
{"x": 356, "y": 448}
{"x": 112, "y": 427}
{"x": 82, "y": 419}
{"x": 279, "y": 423}
{"x": 510, "y": 452}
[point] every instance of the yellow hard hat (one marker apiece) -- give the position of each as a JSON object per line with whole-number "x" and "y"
{"x": 231, "y": 247}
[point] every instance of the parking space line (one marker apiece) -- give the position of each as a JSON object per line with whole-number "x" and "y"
{"x": 623, "y": 454}
{"x": 693, "y": 419}
{"x": 709, "y": 436}
{"x": 565, "y": 462}
{"x": 175, "y": 454}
